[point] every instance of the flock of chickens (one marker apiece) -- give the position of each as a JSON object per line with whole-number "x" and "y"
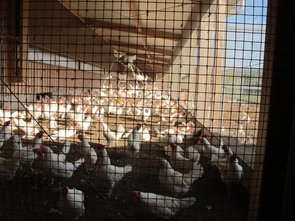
{"x": 157, "y": 118}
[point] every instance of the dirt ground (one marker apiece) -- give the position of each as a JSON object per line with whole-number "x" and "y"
{"x": 33, "y": 197}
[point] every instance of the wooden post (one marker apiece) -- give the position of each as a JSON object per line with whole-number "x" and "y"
{"x": 24, "y": 36}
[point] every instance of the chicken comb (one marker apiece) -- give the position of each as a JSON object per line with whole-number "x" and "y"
{"x": 200, "y": 140}
{"x": 173, "y": 146}
{"x": 233, "y": 158}
{"x": 64, "y": 190}
{"x": 80, "y": 137}
{"x": 7, "y": 123}
{"x": 159, "y": 161}
{"x": 199, "y": 133}
{"x": 100, "y": 146}
{"x": 135, "y": 195}
{"x": 224, "y": 147}
{"x": 40, "y": 134}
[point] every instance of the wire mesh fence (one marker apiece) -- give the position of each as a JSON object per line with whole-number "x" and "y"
{"x": 127, "y": 110}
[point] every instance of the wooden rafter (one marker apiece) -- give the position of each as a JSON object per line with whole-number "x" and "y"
{"x": 164, "y": 51}
{"x": 67, "y": 4}
{"x": 154, "y": 33}
{"x": 138, "y": 23}
{"x": 153, "y": 60}
{"x": 117, "y": 45}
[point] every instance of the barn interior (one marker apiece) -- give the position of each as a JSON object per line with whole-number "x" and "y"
{"x": 142, "y": 84}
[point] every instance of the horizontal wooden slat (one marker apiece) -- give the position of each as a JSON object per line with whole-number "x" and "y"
{"x": 140, "y": 47}
{"x": 131, "y": 29}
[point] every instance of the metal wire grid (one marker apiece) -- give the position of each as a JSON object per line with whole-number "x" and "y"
{"x": 70, "y": 69}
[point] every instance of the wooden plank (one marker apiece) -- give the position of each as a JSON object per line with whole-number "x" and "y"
{"x": 193, "y": 22}
{"x": 153, "y": 60}
{"x": 154, "y": 33}
{"x": 24, "y": 42}
{"x": 140, "y": 47}
{"x": 67, "y": 4}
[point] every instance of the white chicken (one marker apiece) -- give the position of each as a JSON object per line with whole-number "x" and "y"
{"x": 86, "y": 123}
{"x": 64, "y": 133}
{"x": 27, "y": 155}
{"x": 146, "y": 113}
{"x": 207, "y": 149}
{"x": 231, "y": 171}
{"x": 5, "y": 133}
{"x": 163, "y": 206}
{"x": 54, "y": 165}
{"x": 178, "y": 161}
{"x": 29, "y": 128}
{"x": 8, "y": 167}
{"x": 71, "y": 202}
{"x": 108, "y": 174}
{"x": 133, "y": 139}
{"x": 168, "y": 150}
{"x": 146, "y": 137}
{"x": 178, "y": 183}
{"x": 111, "y": 136}
{"x": 89, "y": 154}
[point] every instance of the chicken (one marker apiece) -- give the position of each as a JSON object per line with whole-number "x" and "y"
{"x": 146, "y": 113}
{"x": 192, "y": 153}
{"x": 27, "y": 156}
{"x": 133, "y": 139}
{"x": 231, "y": 171}
{"x": 64, "y": 133}
{"x": 178, "y": 161}
{"x": 63, "y": 109}
{"x": 53, "y": 125}
{"x": 64, "y": 151}
{"x": 146, "y": 137}
{"x": 89, "y": 154}
{"x": 163, "y": 206}
{"x": 168, "y": 150}
{"x": 29, "y": 128}
{"x": 111, "y": 136}
{"x": 48, "y": 109}
{"x": 8, "y": 167}
{"x": 53, "y": 164}
{"x": 38, "y": 139}
{"x": 108, "y": 174}
{"x": 176, "y": 182}
{"x": 5, "y": 133}
{"x": 71, "y": 202}
{"x": 86, "y": 123}
{"x": 170, "y": 137}
{"x": 34, "y": 111}
{"x": 208, "y": 149}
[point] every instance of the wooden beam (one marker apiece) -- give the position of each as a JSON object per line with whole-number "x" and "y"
{"x": 99, "y": 31}
{"x": 67, "y": 4}
{"x": 153, "y": 60}
{"x": 154, "y": 33}
{"x": 150, "y": 68}
{"x": 140, "y": 47}
{"x": 136, "y": 17}
{"x": 193, "y": 22}
{"x": 24, "y": 41}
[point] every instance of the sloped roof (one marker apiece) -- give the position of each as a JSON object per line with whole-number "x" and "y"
{"x": 151, "y": 29}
